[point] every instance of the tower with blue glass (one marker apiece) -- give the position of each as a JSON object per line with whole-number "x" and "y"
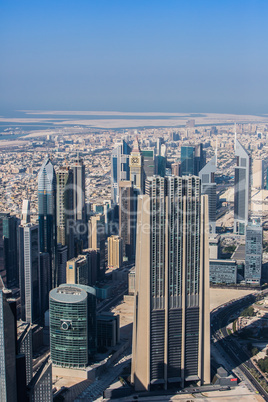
{"x": 47, "y": 215}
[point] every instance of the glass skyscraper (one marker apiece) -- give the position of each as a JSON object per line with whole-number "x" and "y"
{"x": 72, "y": 325}
{"x": 8, "y": 380}
{"x": 47, "y": 215}
{"x": 242, "y": 189}
{"x": 193, "y": 159}
{"x": 119, "y": 167}
{"x": 65, "y": 209}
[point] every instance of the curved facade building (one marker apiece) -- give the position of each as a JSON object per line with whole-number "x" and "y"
{"x": 72, "y": 325}
{"x": 47, "y": 215}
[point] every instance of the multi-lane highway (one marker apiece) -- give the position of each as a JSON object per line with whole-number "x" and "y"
{"x": 219, "y": 320}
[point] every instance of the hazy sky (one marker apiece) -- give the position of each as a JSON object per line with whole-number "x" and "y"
{"x": 134, "y": 55}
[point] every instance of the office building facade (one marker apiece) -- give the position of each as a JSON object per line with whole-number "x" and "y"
{"x": 62, "y": 255}
{"x": 65, "y": 209}
{"x": 242, "y": 189}
{"x": 171, "y": 331}
{"x": 115, "y": 252}
{"x": 96, "y": 238}
{"x": 253, "y": 257}
{"x": 78, "y": 169}
{"x": 77, "y": 270}
{"x": 8, "y": 338}
{"x": 127, "y": 218}
{"x": 72, "y": 325}
{"x": 193, "y": 159}
{"x": 29, "y": 267}
{"x": 119, "y": 167}
{"x": 25, "y": 346}
{"x": 47, "y": 216}
{"x": 208, "y": 186}
{"x": 40, "y": 387}
{"x": 9, "y": 225}
{"x": 223, "y": 271}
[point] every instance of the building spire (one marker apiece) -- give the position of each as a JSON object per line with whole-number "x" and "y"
{"x": 136, "y": 145}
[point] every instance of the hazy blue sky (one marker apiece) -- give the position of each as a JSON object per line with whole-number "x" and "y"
{"x": 132, "y": 55}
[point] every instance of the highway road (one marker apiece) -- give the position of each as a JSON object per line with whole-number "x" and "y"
{"x": 232, "y": 348}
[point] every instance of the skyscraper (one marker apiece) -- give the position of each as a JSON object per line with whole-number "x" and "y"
{"x": 171, "y": 331}
{"x": 40, "y": 387}
{"x": 115, "y": 252}
{"x": 187, "y": 160}
{"x": 127, "y": 218}
{"x": 25, "y": 212}
{"x": 242, "y": 189}
{"x": 208, "y": 186}
{"x": 253, "y": 259}
{"x": 258, "y": 174}
{"x": 193, "y": 159}
{"x": 96, "y": 238}
{"x": 136, "y": 165}
{"x": 25, "y": 346}
{"x": 44, "y": 282}
{"x": 72, "y": 325}
{"x": 119, "y": 167}
{"x": 8, "y": 339}
{"x": 78, "y": 169}
{"x": 199, "y": 158}
{"x": 9, "y": 225}
{"x": 149, "y": 162}
{"x": 62, "y": 252}
{"x": 77, "y": 270}
{"x": 47, "y": 215}
{"x": 65, "y": 209}
{"x": 29, "y": 263}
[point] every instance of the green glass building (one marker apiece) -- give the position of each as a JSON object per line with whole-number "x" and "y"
{"x": 72, "y": 325}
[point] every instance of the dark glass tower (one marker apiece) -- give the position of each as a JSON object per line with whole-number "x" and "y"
{"x": 47, "y": 215}
{"x": 9, "y": 231}
{"x": 65, "y": 209}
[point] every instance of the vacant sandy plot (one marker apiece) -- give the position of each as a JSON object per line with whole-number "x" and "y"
{"x": 221, "y": 296}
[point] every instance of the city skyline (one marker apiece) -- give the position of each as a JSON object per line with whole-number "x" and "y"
{"x": 133, "y": 200}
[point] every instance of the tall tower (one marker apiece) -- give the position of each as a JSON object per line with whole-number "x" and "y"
{"x": 171, "y": 330}
{"x": 242, "y": 189}
{"x": 136, "y": 167}
{"x": 253, "y": 259}
{"x": 25, "y": 213}
{"x": 115, "y": 252}
{"x": 79, "y": 185}
{"x": 65, "y": 209}
{"x": 9, "y": 228}
{"x": 30, "y": 285}
{"x": 119, "y": 168}
{"x": 258, "y": 174}
{"x": 127, "y": 218}
{"x": 8, "y": 339}
{"x": 47, "y": 215}
{"x": 208, "y": 186}
{"x": 187, "y": 160}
